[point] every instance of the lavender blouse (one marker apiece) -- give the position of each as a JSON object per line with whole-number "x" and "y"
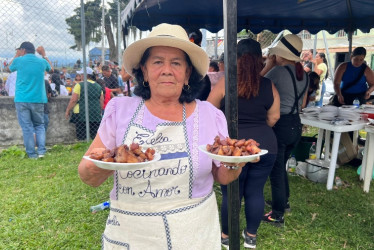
{"x": 203, "y": 125}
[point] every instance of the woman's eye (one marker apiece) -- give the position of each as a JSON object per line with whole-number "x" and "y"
{"x": 176, "y": 63}
{"x": 157, "y": 62}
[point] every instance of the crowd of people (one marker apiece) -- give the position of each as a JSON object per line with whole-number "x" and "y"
{"x": 172, "y": 98}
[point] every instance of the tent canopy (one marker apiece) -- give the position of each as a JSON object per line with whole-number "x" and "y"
{"x": 254, "y": 15}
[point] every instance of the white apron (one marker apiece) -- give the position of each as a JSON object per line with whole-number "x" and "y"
{"x": 153, "y": 207}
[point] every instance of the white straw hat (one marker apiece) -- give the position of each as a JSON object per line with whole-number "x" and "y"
{"x": 166, "y": 35}
{"x": 289, "y": 47}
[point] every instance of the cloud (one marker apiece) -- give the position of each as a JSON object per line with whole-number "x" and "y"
{"x": 41, "y": 22}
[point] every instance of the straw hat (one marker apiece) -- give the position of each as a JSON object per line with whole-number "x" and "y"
{"x": 166, "y": 35}
{"x": 289, "y": 47}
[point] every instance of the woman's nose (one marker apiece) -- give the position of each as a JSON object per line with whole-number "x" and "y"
{"x": 166, "y": 69}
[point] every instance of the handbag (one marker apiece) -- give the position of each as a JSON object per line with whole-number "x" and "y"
{"x": 334, "y": 98}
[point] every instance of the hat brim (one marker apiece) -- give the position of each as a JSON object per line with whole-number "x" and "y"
{"x": 134, "y": 52}
{"x": 284, "y": 53}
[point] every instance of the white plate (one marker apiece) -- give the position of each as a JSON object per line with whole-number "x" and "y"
{"x": 231, "y": 159}
{"x": 122, "y": 166}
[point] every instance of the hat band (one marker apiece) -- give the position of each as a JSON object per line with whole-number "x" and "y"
{"x": 290, "y": 47}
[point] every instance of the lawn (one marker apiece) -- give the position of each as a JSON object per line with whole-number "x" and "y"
{"x": 46, "y": 206}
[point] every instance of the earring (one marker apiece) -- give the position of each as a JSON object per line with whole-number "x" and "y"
{"x": 145, "y": 84}
{"x": 186, "y": 87}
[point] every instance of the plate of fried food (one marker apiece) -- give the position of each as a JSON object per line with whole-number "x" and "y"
{"x": 124, "y": 157}
{"x": 233, "y": 150}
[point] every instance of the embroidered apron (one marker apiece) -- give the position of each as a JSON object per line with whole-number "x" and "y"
{"x": 153, "y": 207}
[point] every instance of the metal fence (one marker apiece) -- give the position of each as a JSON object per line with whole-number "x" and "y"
{"x": 56, "y": 25}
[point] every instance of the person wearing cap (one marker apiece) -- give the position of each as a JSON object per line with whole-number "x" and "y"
{"x": 284, "y": 69}
{"x": 258, "y": 111}
{"x": 95, "y": 103}
{"x": 168, "y": 203}
{"x": 30, "y": 96}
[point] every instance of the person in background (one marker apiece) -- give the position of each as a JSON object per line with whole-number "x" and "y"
{"x": 3, "y": 91}
{"x": 56, "y": 80}
{"x": 10, "y": 83}
{"x": 168, "y": 68}
{"x": 95, "y": 103}
{"x": 284, "y": 69}
{"x": 111, "y": 81}
{"x": 314, "y": 80}
{"x": 353, "y": 79}
{"x": 48, "y": 91}
{"x": 320, "y": 67}
{"x": 30, "y": 96}
{"x": 213, "y": 66}
{"x": 221, "y": 62}
{"x": 196, "y": 37}
{"x": 215, "y": 76}
{"x": 258, "y": 111}
{"x": 106, "y": 91}
{"x": 308, "y": 57}
{"x": 65, "y": 73}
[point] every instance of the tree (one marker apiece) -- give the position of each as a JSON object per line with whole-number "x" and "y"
{"x": 93, "y": 23}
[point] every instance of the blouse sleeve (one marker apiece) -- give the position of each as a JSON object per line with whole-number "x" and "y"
{"x": 108, "y": 126}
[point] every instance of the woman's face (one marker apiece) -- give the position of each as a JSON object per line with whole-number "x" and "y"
{"x": 78, "y": 77}
{"x": 319, "y": 59}
{"x": 358, "y": 60}
{"x": 167, "y": 71}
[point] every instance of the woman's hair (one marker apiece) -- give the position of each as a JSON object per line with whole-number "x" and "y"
{"x": 142, "y": 89}
{"x": 299, "y": 70}
{"x": 359, "y": 51}
{"x": 214, "y": 65}
{"x": 323, "y": 56}
{"x": 314, "y": 81}
{"x": 249, "y": 67}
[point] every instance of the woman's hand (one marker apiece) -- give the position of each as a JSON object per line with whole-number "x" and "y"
{"x": 228, "y": 172}
{"x": 88, "y": 171}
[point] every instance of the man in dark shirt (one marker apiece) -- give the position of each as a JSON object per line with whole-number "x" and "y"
{"x": 111, "y": 81}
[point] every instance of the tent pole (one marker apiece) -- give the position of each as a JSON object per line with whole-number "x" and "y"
{"x": 350, "y": 34}
{"x": 328, "y": 55}
{"x": 231, "y": 111}
{"x": 216, "y": 46}
{"x": 314, "y": 49}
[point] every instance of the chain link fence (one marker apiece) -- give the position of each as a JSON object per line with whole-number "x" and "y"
{"x": 56, "y": 25}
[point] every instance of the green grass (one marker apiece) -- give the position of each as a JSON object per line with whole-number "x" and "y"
{"x": 46, "y": 206}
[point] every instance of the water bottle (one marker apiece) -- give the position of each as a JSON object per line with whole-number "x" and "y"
{"x": 292, "y": 165}
{"x": 338, "y": 181}
{"x": 356, "y": 102}
{"x": 312, "y": 152}
{"x": 99, "y": 207}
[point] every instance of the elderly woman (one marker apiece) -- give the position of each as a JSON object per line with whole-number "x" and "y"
{"x": 258, "y": 111}
{"x": 169, "y": 203}
{"x": 284, "y": 69}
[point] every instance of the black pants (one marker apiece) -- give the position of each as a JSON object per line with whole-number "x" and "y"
{"x": 349, "y": 98}
{"x": 288, "y": 132}
{"x": 81, "y": 129}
